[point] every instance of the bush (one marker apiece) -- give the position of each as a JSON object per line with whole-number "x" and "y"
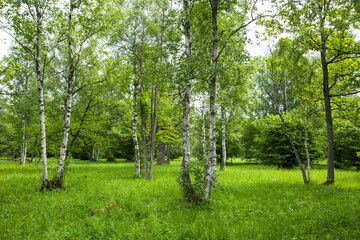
{"x": 85, "y": 154}
{"x": 347, "y": 145}
{"x": 110, "y": 158}
{"x": 249, "y": 135}
{"x": 273, "y": 146}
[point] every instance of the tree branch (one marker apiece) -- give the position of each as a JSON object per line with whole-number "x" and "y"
{"x": 344, "y": 94}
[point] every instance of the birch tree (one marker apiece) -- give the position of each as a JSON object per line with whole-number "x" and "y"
{"x": 79, "y": 31}
{"x": 185, "y": 175}
{"x": 218, "y": 45}
{"x": 30, "y": 24}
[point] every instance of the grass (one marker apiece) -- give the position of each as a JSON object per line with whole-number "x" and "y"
{"x": 256, "y": 202}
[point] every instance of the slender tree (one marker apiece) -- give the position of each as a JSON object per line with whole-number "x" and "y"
{"x": 185, "y": 175}
{"x": 28, "y": 21}
{"x": 324, "y": 26}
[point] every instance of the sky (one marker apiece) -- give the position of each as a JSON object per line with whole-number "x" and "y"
{"x": 254, "y": 49}
{"x": 5, "y": 42}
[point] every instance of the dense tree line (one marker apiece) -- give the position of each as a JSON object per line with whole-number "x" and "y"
{"x": 149, "y": 80}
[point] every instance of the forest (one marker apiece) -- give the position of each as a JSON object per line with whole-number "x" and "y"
{"x": 162, "y": 119}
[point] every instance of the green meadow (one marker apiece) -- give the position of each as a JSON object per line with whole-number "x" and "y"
{"x": 254, "y": 202}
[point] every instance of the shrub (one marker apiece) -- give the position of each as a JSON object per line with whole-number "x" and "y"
{"x": 249, "y": 134}
{"x": 347, "y": 145}
{"x": 110, "y": 158}
{"x": 273, "y": 146}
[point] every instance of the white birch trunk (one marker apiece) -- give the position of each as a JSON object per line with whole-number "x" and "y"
{"x": 93, "y": 155}
{"x": 134, "y": 134}
{"x": 23, "y": 152}
{"x": 153, "y": 131}
{"x": 25, "y": 149}
{"x": 68, "y": 105}
{"x": 66, "y": 129}
{"x": 185, "y": 176}
{"x": 203, "y": 130}
{"x": 24, "y": 142}
{"x": 144, "y": 138}
{"x": 45, "y": 178}
{"x": 210, "y": 171}
{"x": 98, "y": 153}
{"x": 223, "y": 139}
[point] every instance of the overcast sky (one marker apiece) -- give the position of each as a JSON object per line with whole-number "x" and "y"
{"x": 5, "y": 41}
{"x": 254, "y": 49}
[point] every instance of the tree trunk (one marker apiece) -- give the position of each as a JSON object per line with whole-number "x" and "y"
{"x": 75, "y": 136}
{"x": 185, "y": 175}
{"x": 306, "y": 141}
{"x": 203, "y": 132}
{"x": 93, "y": 155}
{"x": 285, "y": 95}
{"x": 134, "y": 133}
{"x": 45, "y": 179}
{"x": 35, "y": 146}
{"x": 14, "y": 153}
{"x": 24, "y": 142}
{"x": 293, "y": 148}
{"x": 153, "y": 129}
{"x": 161, "y": 153}
{"x": 110, "y": 156}
{"x": 32, "y": 158}
{"x": 68, "y": 105}
{"x": 146, "y": 162}
{"x": 66, "y": 129}
{"x": 329, "y": 122}
{"x": 23, "y": 153}
{"x": 223, "y": 139}
{"x": 98, "y": 153}
{"x": 143, "y": 122}
{"x": 210, "y": 170}
{"x": 168, "y": 154}
{"x": 144, "y": 139}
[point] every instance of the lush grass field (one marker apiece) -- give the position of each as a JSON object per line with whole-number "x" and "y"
{"x": 256, "y": 202}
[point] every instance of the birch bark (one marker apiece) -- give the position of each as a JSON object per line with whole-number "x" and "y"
{"x": 306, "y": 142}
{"x": 68, "y": 104}
{"x": 153, "y": 129}
{"x": 185, "y": 176}
{"x": 93, "y": 155}
{"x": 210, "y": 170}
{"x": 40, "y": 81}
{"x": 223, "y": 139}
{"x": 143, "y": 128}
{"x": 24, "y": 141}
{"x": 98, "y": 153}
{"x": 134, "y": 133}
{"x": 203, "y": 130}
